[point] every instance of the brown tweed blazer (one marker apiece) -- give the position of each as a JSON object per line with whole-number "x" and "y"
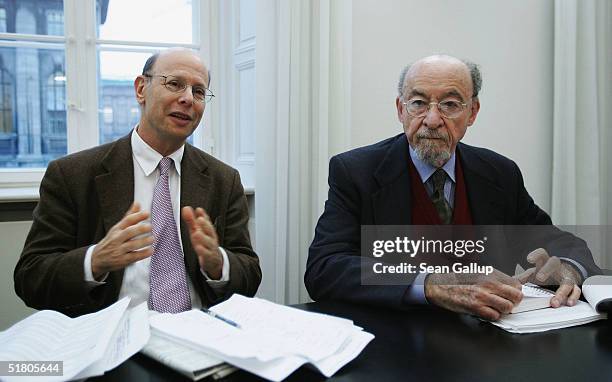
{"x": 83, "y": 195}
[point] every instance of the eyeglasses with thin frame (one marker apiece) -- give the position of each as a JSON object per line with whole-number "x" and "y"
{"x": 177, "y": 85}
{"x": 449, "y": 108}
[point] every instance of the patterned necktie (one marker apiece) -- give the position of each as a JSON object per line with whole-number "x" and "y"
{"x": 168, "y": 279}
{"x": 439, "y": 201}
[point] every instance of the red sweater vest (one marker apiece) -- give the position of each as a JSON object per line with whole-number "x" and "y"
{"x": 423, "y": 210}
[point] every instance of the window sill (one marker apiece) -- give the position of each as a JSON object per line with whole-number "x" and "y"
{"x": 30, "y": 194}
{"x": 18, "y": 194}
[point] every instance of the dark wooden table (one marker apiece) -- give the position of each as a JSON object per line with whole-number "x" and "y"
{"x": 429, "y": 344}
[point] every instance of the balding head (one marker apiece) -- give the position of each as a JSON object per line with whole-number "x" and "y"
{"x": 180, "y": 53}
{"x": 460, "y": 66}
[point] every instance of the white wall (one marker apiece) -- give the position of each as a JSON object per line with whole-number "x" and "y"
{"x": 511, "y": 40}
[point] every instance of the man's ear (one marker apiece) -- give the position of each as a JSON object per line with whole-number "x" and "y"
{"x": 474, "y": 111}
{"x": 400, "y": 109}
{"x": 139, "y": 86}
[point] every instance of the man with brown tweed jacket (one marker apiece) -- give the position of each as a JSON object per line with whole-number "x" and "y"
{"x": 91, "y": 240}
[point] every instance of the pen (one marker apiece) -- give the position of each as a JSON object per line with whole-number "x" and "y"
{"x": 220, "y": 317}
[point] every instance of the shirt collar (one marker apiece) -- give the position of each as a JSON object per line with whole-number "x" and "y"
{"x": 148, "y": 159}
{"x": 426, "y": 170}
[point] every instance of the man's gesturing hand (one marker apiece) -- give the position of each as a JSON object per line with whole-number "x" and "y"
{"x": 125, "y": 243}
{"x": 204, "y": 240}
{"x": 552, "y": 271}
{"x": 486, "y": 296}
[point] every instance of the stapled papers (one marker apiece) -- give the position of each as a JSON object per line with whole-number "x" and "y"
{"x": 272, "y": 340}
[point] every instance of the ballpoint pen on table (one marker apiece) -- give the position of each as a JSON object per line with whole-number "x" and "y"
{"x": 220, "y": 317}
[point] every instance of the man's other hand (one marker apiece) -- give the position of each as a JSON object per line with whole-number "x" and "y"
{"x": 125, "y": 243}
{"x": 551, "y": 271}
{"x": 204, "y": 240}
{"x": 486, "y": 296}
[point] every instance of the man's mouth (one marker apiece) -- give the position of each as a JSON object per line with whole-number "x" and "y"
{"x": 433, "y": 135}
{"x": 433, "y": 138}
{"x": 181, "y": 116}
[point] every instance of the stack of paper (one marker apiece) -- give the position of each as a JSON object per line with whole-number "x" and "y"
{"x": 534, "y": 297}
{"x": 549, "y": 318}
{"x": 190, "y": 362}
{"x": 596, "y": 289}
{"x": 88, "y": 345}
{"x": 266, "y": 339}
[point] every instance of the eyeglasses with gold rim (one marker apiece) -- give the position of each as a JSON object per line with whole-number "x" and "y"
{"x": 177, "y": 85}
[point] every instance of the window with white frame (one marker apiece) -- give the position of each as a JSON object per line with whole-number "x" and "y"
{"x": 31, "y": 49}
{"x": 67, "y": 69}
{"x": 238, "y": 37}
{"x": 123, "y": 49}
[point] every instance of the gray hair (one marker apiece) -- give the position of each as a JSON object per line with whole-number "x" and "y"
{"x": 472, "y": 67}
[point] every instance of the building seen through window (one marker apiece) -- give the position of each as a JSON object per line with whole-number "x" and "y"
{"x": 2, "y": 20}
{"x": 119, "y": 109}
{"x": 7, "y": 146}
{"x": 55, "y": 22}
{"x": 33, "y": 116}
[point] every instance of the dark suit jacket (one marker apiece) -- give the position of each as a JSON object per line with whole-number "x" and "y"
{"x": 84, "y": 194}
{"x": 371, "y": 186}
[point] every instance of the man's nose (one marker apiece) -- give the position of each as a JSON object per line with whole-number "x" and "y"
{"x": 186, "y": 95}
{"x": 433, "y": 118}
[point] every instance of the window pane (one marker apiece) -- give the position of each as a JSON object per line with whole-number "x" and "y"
{"x": 3, "y": 20}
{"x": 44, "y": 17}
{"x": 118, "y": 110}
{"x": 32, "y": 106}
{"x": 157, "y": 21}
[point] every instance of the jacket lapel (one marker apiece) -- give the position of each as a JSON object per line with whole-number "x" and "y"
{"x": 195, "y": 192}
{"x": 484, "y": 195}
{"x": 115, "y": 189}
{"x": 391, "y": 203}
{"x": 116, "y": 186}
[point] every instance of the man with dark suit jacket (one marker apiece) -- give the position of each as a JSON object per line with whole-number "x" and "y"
{"x": 107, "y": 224}
{"x": 425, "y": 176}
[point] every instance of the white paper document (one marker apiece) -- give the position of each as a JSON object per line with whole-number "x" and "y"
{"x": 549, "y": 318}
{"x": 130, "y": 335}
{"x": 87, "y": 345}
{"x": 271, "y": 341}
{"x": 596, "y": 289}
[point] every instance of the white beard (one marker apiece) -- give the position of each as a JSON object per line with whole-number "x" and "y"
{"x": 431, "y": 153}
